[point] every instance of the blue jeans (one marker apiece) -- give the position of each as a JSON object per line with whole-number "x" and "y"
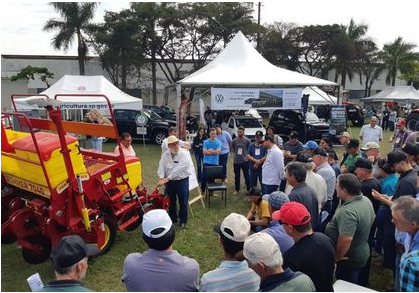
{"x": 223, "y": 159}
{"x": 96, "y": 143}
{"x": 244, "y": 168}
{"x": 268, "y": 189}
{"x": 255, "y": 175}
{"x": 198, "y": 158}
{"x": 181, "y": 189}
{"x": 348, "y": 274}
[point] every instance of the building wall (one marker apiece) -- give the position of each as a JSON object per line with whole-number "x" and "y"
{"x": 62, "y": 65}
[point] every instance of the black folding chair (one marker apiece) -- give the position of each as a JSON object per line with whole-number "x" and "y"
{"x": 215, "y": 173}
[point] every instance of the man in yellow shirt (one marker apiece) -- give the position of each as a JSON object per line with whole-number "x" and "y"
{"x": 258, "y": 215}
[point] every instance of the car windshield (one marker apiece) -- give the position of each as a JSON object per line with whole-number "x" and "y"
{"x": 311, "y": 117}
{"x": 150, "y": 114}
{"x": 168, "y": 110}
{"x": 248, "y": 123}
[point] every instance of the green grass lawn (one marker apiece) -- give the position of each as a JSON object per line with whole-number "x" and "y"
{"x": 197, "y": 240}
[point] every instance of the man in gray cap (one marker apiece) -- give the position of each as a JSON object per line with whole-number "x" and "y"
{"x": 69, "y": 259}
{"x": 275, "y": 201}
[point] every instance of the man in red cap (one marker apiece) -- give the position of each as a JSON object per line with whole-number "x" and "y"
{"x": 399, "y": 137}
{"x": 313, "y": 253}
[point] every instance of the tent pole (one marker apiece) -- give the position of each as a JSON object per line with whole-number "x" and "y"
{"x": 178, "y": 94}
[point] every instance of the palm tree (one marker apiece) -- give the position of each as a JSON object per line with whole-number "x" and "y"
{"x": 75, "y": 22}
{"x": 396, "y": 56}
{"x": 348, "y": 48}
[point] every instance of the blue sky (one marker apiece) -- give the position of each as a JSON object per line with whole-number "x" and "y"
{"x": 22, "y": 22}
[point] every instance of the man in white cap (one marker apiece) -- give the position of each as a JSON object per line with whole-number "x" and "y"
{"x": 344, "y": 140}
{"x": 233, "y": 274}
{"x": 265, "y": 258}
{"x": 174, "y": 170}
{"x": 160, "y": 268}
{"x": 372, "y": 152}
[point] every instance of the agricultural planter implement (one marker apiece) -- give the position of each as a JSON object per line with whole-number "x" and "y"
{"x": 51, "y": 187}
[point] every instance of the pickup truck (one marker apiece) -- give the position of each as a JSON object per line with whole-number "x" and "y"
{"x": 251, "y": 125}
{"x": 143, "y": 124}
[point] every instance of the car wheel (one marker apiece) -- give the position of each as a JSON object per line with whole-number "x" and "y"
{"x": 159, "y": 136}
{"x": 412, "y": 119}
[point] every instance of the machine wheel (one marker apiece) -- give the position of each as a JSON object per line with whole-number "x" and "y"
{"x": 134, "y": 225}
{"x": 43, "y": 243}
{"x": 412, "y": 119}
{"x": 110, "y": 230}
{"x": 8, "y": 238}
{"x": 159, "y": 136}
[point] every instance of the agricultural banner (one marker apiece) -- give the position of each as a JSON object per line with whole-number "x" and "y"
{"x": 337, "y": 119}
{"x": 265, "y": 98}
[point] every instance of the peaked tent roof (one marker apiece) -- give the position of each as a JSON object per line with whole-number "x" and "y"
{"x": 319, "y": 97}
{"x": 396, "y": 94}
{"x": 242, "y": 65}
{"x": 78, "y": 84}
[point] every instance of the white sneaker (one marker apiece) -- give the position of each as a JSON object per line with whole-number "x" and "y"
{"x": 235, "y": 192}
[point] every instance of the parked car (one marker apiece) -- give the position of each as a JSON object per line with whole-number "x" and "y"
{"x": 251, "y": 125}
{"x": 285, "y": 121}
{"x": 141, "y": 124}
{"x": 169, "y": 113}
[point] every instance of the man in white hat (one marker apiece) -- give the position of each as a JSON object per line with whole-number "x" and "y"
{"x": 372, "y": 152}
{"x": 233, "y": 274}
{"x": 174, "y": 170}
{"x": 265, "y": 258}
{"x": 159, "y": 269}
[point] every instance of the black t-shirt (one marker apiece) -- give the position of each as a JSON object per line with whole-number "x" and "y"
{"x": 366, "y": 188}
{"x": 305, "y": 195}
{"x": 313, "y": 255}
{"x": 407, "y": 184}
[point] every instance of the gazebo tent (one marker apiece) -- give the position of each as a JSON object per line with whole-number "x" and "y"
{"x": 404, "y": 94}
{"x": 85, "y": 85}
{"x": 319, "y": 97}
{"x": 241, "y": 65}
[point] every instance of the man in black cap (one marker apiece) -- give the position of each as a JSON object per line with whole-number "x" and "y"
{"x": 411, "y": 151}
{"x": 292, "y": 147}
{"x": 353, "y": 150}
{"x": 69, "y": 259}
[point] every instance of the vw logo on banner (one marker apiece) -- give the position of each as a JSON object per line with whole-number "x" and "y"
{"x": 219, "y": 98}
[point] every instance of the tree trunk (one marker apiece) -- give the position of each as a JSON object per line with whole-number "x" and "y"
{"x": 81, "y": 53}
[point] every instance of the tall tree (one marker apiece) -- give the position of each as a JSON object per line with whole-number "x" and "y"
{"x": 348, "y": 49}
{"x": 117, "y": 45}
{"x": 398, "y": 56}
{"x": 75, "y": 24}
{"x": 369, "y": 66}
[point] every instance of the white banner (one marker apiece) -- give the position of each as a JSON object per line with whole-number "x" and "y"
{"x": 243, "y": 99}
{"x": 201, "y": 112}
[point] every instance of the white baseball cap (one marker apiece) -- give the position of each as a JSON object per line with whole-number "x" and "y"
{"x": 261, "y": 247}
{"x": 234, "y": 227}
{"x": 155, "y": 219}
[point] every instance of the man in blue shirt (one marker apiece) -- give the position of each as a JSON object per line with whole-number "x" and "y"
{"x": 226, "y": 140}
{"x": 233, "y": 274}
{"x": 211, "y": 150}
{"x": 256, "y": 156}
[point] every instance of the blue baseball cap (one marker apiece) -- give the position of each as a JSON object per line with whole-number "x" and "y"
{"x": 311, "y": 144}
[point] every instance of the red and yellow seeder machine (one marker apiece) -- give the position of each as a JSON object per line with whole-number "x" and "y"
{"x": 51, "y": 187}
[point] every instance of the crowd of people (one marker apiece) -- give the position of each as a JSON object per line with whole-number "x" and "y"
{"x": 313, "y": 216}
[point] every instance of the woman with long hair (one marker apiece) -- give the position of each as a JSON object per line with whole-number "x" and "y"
{"x": 197, "y": 145}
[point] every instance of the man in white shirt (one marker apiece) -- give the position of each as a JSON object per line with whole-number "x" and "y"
{"x": 174, "y": 170}
{"x": 371, "y": 132}
{"x": 126, "y": 146}
{"x": 173, "y": 132}
{"x": 273, "y": 167}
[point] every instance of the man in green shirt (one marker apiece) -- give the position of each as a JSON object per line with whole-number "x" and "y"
{"x": 69, "y": 259}
{"x": 349, "y": 229}
{"x": 352, "y": 149}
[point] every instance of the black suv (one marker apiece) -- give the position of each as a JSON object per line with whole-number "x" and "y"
{"x": 285, "y": 121}
{"x": 168, "y": 113}
{"x": 145, "y": 124}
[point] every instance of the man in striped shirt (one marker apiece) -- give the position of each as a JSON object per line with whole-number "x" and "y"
{"x": 233, "y": 274}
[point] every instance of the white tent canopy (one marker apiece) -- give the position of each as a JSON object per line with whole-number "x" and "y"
{"x": 85, "y": 85}
{"x": 319, "y": 97}
{"x": 240, "y": 64}
{"x": 405, "y": 94}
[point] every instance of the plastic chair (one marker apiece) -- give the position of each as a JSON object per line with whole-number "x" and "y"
{"x": 215, "y": 173}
